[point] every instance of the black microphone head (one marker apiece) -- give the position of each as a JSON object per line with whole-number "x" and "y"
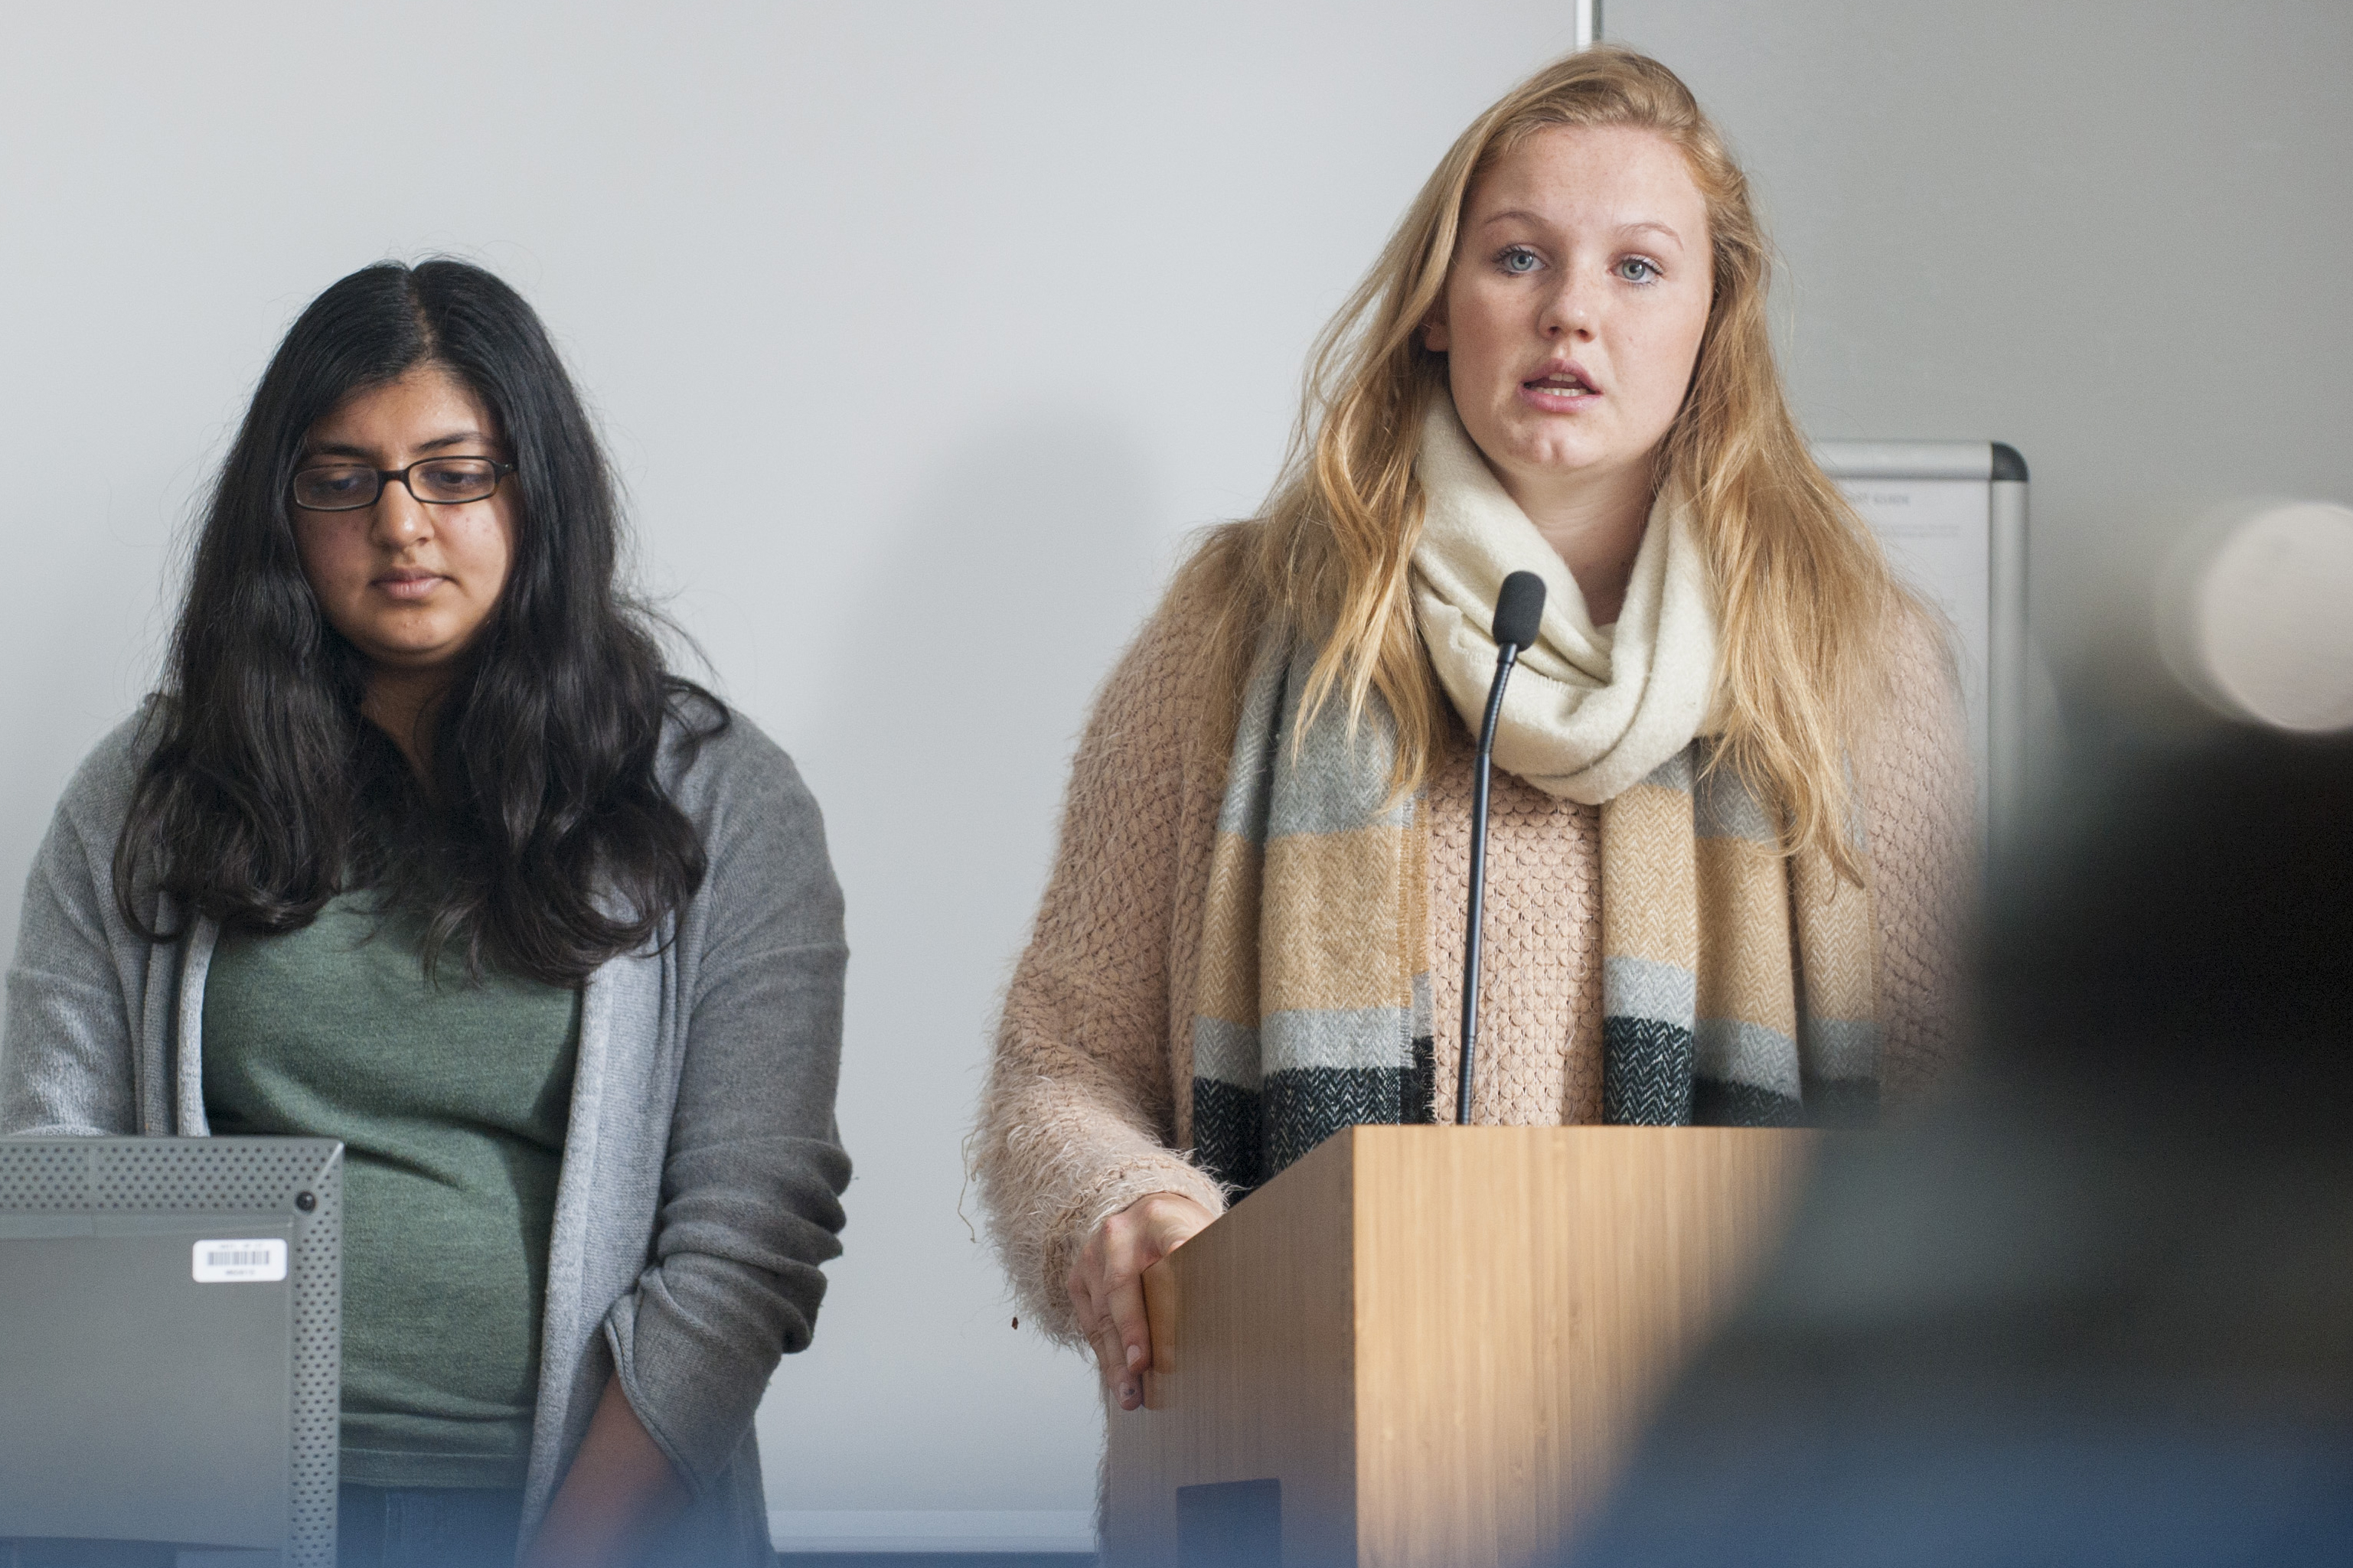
{"x": 1519, "y": 609}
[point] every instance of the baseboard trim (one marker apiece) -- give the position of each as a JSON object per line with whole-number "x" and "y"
{"x": 1071, "y": 1531}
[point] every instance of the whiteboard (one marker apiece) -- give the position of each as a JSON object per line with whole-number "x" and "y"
{"x": 1952, "y": 517}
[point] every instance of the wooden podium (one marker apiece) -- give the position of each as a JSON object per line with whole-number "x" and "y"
{"x": 1430, "y": 1345}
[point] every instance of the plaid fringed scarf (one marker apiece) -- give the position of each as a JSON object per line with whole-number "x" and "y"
{"x": 1312, "y": 1007}
{"x": 1739, "y": 983}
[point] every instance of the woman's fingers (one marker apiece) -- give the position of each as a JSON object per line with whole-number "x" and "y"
{"x": 1095, "y": 1323}
{"x": 1106, "y": 1285}
{"x": 1117, "y": 1287}
{"x": 1107, "y": 1359}
{"x": 1126, "y": 1304}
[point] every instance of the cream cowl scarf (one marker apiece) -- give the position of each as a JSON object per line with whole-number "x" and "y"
{"x": 1739, "y": 983}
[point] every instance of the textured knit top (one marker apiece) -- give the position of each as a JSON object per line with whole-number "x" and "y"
{"x": 1088, "y": 1103}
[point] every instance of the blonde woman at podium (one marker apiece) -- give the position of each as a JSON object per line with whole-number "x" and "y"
{"x": 1732, "y": 817}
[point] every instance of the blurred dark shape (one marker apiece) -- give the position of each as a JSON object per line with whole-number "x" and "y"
{"x": 2097, "y": 1306}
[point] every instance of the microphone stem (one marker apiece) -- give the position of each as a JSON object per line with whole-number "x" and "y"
{"x": 1505, "y": 656}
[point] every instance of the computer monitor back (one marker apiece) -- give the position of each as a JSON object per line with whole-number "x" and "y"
{"x": 170, "y": 1327}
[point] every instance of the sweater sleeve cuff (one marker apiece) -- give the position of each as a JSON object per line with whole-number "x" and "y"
{"x": 695, "y": 1405}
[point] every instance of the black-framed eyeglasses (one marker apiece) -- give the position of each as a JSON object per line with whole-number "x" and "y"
{"x": 436, "y": 481}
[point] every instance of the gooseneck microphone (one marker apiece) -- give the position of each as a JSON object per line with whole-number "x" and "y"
{"x": 1519, "y": 610}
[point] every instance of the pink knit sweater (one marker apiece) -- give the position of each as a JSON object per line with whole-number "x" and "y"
{"x": 1088, "y": 1104}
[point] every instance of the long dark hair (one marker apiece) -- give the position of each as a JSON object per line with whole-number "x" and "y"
{"x": 544, "y": 843}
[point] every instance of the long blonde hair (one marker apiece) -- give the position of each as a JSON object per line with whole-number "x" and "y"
{"x": 1803, "y": 590}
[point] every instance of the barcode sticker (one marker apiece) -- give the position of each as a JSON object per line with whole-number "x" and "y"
{"x": 241, "y": 1262}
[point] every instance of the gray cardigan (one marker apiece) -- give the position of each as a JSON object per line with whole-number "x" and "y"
{"x": 703, "y": 1168}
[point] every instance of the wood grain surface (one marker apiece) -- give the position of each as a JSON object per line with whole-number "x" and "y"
{"x": 1253, "y": 1316}
{"x": 1440, "y": 1339}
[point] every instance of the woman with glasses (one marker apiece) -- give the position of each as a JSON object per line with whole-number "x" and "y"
{"x": 421, "y": 847}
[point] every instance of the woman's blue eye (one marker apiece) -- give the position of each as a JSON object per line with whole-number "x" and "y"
{"x": 1634, "y": 269}
{"x": 1518, "y": 260}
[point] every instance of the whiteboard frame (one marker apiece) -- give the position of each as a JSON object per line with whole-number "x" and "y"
{"x": 2005, "y": 474}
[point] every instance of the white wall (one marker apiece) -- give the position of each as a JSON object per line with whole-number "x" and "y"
{"x": 921, "y": 332}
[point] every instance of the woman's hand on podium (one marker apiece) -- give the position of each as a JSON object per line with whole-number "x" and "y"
{"x": 1106, "y": 1284}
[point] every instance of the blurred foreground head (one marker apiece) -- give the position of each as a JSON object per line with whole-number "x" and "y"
{"x": 2097, "y": 1307}
{"x": 2177, "y": 938}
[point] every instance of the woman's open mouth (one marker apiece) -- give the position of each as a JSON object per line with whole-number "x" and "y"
{"x": 1560, "y": 387}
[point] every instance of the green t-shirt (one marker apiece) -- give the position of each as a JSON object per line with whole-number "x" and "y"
{"x": 451, "y": 1100}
